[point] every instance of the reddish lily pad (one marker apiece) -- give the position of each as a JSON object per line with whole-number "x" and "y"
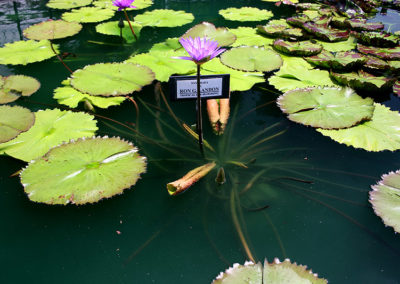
{"x": 363, "y": 81}
{"x": 301, "y": 48}
{"x": 298, "y": 20}
{"x": 374, "y": 63}
{"x": 339, "y": 61}
{"x": 279, "y": 28}
{"x": 379, "y": 39}
{"x": 339, "y": 22}
{"x": 380, "y": 52}
{"x": 325, "y": 33}
{"x": 362, "y": 25}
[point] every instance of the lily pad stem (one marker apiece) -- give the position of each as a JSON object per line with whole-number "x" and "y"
{"x": 137, "y": 111}
{"x": 59, "y": 57}
{"x": 129, "y": 22}
{"x": 199, "y": 124}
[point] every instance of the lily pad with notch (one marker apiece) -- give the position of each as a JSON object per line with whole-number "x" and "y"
{"x": 112, "y": 28}
{"x": 297, "y": 48}
{"x": 88, "y": 15}
{"x": 26, "y": 51}
{"x": 15, "y": 86}
{"x": 345, "y": 60}
{"x": 222, "y": 35}
{"x": 245, "y": 14}
{"x": 164, "y": 18}
{"x": 52, "y": 30}
{"x": 13, "y": 121}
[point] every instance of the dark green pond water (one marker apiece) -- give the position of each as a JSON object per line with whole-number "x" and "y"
{"x": 147, "y": 236}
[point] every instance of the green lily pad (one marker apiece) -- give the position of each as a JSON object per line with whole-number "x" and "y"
{"x": 107, "y": 4}
{"x": 279, "y": 28}
{"x": 328, "y": 108}
{"x": 298, "y": 20}
{"x": 222, "y": 35}
{"x": 380, "y": 52}
{"x": 396, "y": 88}
{"x": 394, "y": 65}
{"x": 51, "y": 128}
{"x": 52, "y": 30}
{"x": 170, "y": 44}
{"x": 362, "y": 25}
{"x": 363, "y": 81}
{"x": 294, "y": 61}
{"x": 164, "y": 64}
{"x": 248, "y": 58}
{"x": 24, "y": 52}
{"x": 67, "y": 4}
{"x": 345, "y": 60}
{"x": 379, "y": 39}
{"x": 111, "y": 28}
{"x": 111, "y": 79}
{"x": 385, "y": 199}
{"x": 380, "y": 133}
{"x": 83, "y": 171}
{"x": 239, "y": 80}
{"x": 13, "y": 121}
{"x": 88, "y": 15}
{"x": 15, "y": 86}
{"x": 245, "y": 14}
{"x": 300, "y": 48}
{"x": 346, "y": 45}
{"x": 326, "y": 33}
{"x": 249, "y": 36}
{"x": 164, "y": 18}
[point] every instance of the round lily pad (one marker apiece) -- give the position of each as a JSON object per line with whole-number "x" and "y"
{"x": 83, "y": 171}
{"x": 88, "y": 15}
{"x": 252, "y": 59}
{"x": 245, "y": 14}
{"x": 52, "y": 30}
{"x": 67, "y": 4}
{"x": 297, "y": 48}
{"x": 380, "y": 133}
{"x": 111, "y": 28}
{"x": 51, "y": 128}
{"x": 24, "y": 52}
{"x": 13, "y": 121}
{"x": 164, "y": 18}
{"x": 249, "y": 36}
{"x": 107, "y": 4}
{"x": 345, "y": 60}
{"x": 328, "y": 108}
{"x": 111, "y": 79}
{"x": 223, "y": 36}
{"x": 385, "y": 199}
{"x": 14, "y": 86}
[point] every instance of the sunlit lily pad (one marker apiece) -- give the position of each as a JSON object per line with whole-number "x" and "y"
{"x": 385, "y": 199}
{"x": 88, "y": 15}
{"x": 111, "y": 28}
{"x": 298, "y": 20}
{"x": 328, "y": 108}
{"x": 346, "y": 45}
{"x": 380, "y": 133}
{"x": 52, "y": 30}
{"x": 111, "y": 79}
{"x": 107, "y": 4}
{"x": 364, "y": 81}
{"x": 222, "y": 35}
{"x": 67, "y": 4}
{"x": 273, "y": 273}
{"x": 24, "y": 52}
{"x": 15, "y": 86}
{"x": 249, "y": 36}
{"x": 279, "y": 28}
{"x": 396, "y": 88}
{"x": 380, "y": 52}
{"x": 245, "y": 14}
{"x": 170, "y": 44}
{"x": 394, "y": 65}
{"x": 379, "y": 39}
{"x": 325, "y": 33}
{"x": 83, "y": 171}
{"x": 51, "y": 128}
{"x": 248, "y": 58}
{"x": 363, "y": 25}
{"x": 13, "y": 121}
{"x": 345, "y": 60}
{"x": 297, "y": 48}
{"x": 164, "y": 18}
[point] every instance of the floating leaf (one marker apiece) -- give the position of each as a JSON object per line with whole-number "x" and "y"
{"x": 13, "y": 121}
{"x": 170, "y": 44}
{"x": 245, "y": 14}
{"x": 380, "y": 133}
{"x": 339, "y": 22}
{"x": 298, "y": 20}
{"x": 364, "y": 81}
{"x": 107, "y": 4}
{"x": 83, "y": 171}
{"x": 52, "y": 30}
{"x": 279, "y": 28}
{"x": 249, "y": 36}
{"x": 111, "y": 79}
{"x": 379, "y": 39}
{"x": 247, "y": 273}
{"x": 15, "y": 86}
{"x": 111, "y": 28}
{"x": 380, "y": 52}
{"x": 362, "y": 25}
{"x": 67, "y": 4}
{"x": 394, "y": 65}
{"x": 252, "y": 59}
{"x": 300, "y": 48}
{"x": 374, "y": 63}
{"x": 327, "y": 108}
{"x": 396, "y": 88}
{"x": 164, "y": 18}
{"x": 325, "y": 33}
{"x": 88, "y": 15}
{"x": 51, "y": 128}
{"x": 223, "y": 36}
{"x": 345, "y": 60}
{"x": 346, "y": 45}
{"x": 24, "y": 52}
{"x": 385, "y": 199}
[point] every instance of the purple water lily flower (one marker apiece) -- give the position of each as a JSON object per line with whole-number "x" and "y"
{"x": 200, "y": 49}
{"x": 123, "y": 4}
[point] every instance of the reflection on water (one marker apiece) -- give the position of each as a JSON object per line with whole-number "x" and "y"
{"x": 302, "y": 196}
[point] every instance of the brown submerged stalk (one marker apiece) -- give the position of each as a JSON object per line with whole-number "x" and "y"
{"x": 130, "y": 25}
{"x": 59, "y": 57}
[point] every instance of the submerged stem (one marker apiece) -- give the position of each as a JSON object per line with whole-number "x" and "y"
{"x": 129, "y": 22}
{"x": 137, "y": 111}
{"x": 59, "y": 57}
{"x": 199, "y": 124}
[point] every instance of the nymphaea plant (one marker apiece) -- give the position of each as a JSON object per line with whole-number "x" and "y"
{"x": 13, "y": 121}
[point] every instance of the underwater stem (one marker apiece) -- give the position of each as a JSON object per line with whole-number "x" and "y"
{"x": 59, "y": 57}
{"x": 137, "y": 111}
{"x": 199, "y": 124}
{"x": 129, "y": 22}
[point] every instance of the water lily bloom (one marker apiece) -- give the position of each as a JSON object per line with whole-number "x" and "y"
{"x": 123, "y": 4}
{"x": 200, "y": 49}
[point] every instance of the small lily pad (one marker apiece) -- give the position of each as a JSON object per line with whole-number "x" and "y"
{"x": 222, "y": 35}
{"x": 164, "y": 18}
{"x": 300, "y": 48}
{"x": 108, "y": 4}
{"x": 380, "y": 52}
{"x": 363, "y": 81}
{"x": 51, "y": 128}
{"x": 15, "y": 86}
{"x": 88, "y": 15}
{"x": 252, "y": 59}
{"x": 279, "y": 28}
{"x": 67, "y": 4}
{"x": 111, "y": 79}
{"x": 24, "y": 52}
{"x": 326, "y": 33}
{"x": 83, "y": 171}
{"x": 379, "y": 39}
{"x": 385, "y": 199}
{"x": 249, "y": 36}
{"x": 363, "y": 25}
{"x": 380, "y": 133}
{"x": 328, "y": 108}
{"x": 345, "y": 60}
{"x": 298, "y": 20}
{"x": 111, "y": 28}
{"x": 13, "y": 121}
{"x": 245, "y": 14}
{"x": 52, "y": 30}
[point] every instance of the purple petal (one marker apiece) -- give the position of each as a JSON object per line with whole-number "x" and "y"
{"x": 182, "y": 57}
